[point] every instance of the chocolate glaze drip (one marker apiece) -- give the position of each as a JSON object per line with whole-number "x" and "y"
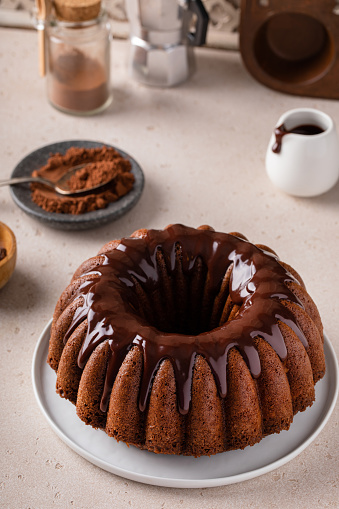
{"x": 112, "y": 308}
{"x": 305, "y": 129}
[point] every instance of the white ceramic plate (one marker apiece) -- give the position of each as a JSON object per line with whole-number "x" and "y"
{"x": 181, "y": 471}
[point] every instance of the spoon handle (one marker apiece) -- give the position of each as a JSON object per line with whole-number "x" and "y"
{"x": 21, "y": 180}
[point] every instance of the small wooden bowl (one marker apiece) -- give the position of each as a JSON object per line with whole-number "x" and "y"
{"x": 7, "y": 264}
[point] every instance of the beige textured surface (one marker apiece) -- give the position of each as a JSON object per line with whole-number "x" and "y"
{"x": 202, "y": 148}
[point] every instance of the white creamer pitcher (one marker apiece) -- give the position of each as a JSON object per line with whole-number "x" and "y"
{"x": 302, "y": 157}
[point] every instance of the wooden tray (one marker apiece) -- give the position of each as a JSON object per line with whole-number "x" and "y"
{"x": 291, "y": 46}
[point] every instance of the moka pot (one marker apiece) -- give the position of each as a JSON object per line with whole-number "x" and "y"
{"x": 162, "y": 35}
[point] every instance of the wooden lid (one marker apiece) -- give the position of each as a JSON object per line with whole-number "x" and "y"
{"x": 77, "y": 10}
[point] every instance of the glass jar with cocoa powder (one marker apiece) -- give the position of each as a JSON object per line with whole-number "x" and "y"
{"x": 78, "y": 58}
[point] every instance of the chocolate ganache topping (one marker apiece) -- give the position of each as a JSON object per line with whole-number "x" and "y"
{"x": 114, "y": 302}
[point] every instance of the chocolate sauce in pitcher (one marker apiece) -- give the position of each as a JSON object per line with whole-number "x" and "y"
{"x": 304, "y": 129}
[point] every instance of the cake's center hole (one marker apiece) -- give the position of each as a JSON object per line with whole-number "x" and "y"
{"x": 184, "y": 301}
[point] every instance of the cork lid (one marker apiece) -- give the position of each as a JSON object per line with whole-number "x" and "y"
{"x": 77, "y": 10}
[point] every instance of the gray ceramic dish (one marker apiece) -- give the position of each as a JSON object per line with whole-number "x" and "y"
{"x": 21, "y": 194}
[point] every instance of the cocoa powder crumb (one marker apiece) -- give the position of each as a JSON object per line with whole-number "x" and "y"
{"x": 102, "y": 164}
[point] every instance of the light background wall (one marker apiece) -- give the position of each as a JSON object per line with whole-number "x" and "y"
{"x": 222, "y": 32}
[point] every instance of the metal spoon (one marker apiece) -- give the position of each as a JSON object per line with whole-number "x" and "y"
{"x": 61, "y": 186}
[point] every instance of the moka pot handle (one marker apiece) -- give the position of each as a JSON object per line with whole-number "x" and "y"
{"x": 198, "y": 38}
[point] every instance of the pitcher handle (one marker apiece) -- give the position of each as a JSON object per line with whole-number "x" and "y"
{"x": 198, "y": 38}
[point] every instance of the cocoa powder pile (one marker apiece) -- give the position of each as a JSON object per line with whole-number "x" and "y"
{"x": 93, "y": 174}
{"x": 104, "y": 163}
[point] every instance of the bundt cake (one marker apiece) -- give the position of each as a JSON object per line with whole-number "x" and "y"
{"x": 187, "y": 341}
